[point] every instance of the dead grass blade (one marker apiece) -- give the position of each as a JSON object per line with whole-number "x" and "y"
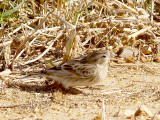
{"x": 13, "y": 106}
{"x": 70, "y": 42}
{"x": 49, "y": 47}
{"x": 126, "y": 7}
{"x": 139, "y": 32}
{"x": 28, "y": 39}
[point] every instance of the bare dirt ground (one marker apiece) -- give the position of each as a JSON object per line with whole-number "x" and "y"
{"x": 129, "y": 92}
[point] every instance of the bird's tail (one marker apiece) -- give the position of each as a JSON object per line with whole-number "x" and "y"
{"x": 37, "y": 77}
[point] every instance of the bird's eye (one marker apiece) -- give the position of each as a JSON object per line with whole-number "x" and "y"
{"x": 103, "y": 56}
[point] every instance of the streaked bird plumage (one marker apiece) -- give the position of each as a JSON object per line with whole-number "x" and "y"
{"x": 82, "y": 71}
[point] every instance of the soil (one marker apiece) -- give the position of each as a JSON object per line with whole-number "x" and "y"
{"x": 130, "y": 91}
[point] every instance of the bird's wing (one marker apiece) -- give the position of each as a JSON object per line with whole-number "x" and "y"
{"x": 79, "y": 69}
{"x": 72, "y": 68}
{"x": 63, "y": 70}
{"x": 60, "y": 73}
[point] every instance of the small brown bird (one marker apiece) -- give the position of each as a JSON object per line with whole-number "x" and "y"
{"x": 83, "y": 71}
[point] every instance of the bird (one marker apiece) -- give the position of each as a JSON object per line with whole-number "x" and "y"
{"x": 81, "y": 71}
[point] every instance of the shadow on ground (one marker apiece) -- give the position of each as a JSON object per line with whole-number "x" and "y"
{"x": 41, "y": 88}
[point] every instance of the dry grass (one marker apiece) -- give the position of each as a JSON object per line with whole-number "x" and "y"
{"x": 35, "y": 35}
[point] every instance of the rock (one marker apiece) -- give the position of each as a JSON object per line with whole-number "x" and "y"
{"x": 125, "y": 52}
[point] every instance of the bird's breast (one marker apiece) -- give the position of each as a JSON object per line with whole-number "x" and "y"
{"x": 101, "y": 72}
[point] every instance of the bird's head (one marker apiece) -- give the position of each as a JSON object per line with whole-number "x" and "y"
{"x": 97, "y": 57}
